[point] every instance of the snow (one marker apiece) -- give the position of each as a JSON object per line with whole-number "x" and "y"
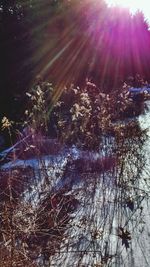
{"x": 139, "y": 90}
{"x": 92, "y": 236}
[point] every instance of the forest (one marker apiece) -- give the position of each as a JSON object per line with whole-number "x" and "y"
{"x": 48, "y": 39}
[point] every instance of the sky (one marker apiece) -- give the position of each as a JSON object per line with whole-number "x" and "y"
{"x": 134, "y": 6}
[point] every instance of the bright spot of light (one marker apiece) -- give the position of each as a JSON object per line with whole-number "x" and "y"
{"x": 134, "y": 6}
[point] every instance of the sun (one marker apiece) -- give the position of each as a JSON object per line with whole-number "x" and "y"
{"x": 133, "y": 5}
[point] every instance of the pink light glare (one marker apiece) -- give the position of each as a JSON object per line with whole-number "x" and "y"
{"x": 134, "y": 6}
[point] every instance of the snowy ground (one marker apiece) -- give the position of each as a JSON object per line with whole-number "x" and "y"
{"x": 111, "y": 225}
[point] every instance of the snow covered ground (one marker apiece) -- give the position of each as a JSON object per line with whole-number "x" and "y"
{"x": 111, "y": 225}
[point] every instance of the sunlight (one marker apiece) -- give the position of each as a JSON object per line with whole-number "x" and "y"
{"x": 134, "y": 6}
